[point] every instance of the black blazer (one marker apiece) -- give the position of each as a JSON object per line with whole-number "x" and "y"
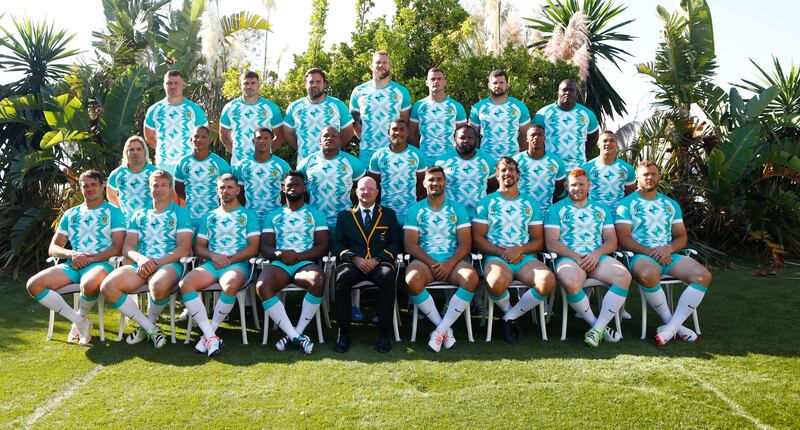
{"x": 383, "y": 241}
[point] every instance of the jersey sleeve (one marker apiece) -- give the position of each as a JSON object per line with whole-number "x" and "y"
{"x": 267, "y": 226}
{"x": 224, "y": 117}
{"x": 117, "y": 219}
{"x": 202, "y": 231}
{"x": 320, "y": 222}
{"x": 524, "y": 114}
{"x": 422, "y": 161}
{"x": 406, "y": 99}
{"x": 238, "y": 171}
{"x": 375, "y": 163}
{"x": 461, "y": 114}
{"x": 474, "y": 117}
{"x": 303, "y": 165}
{"x": 492, "y": 164}
{"x": 415, "y": 111}
{"x": 179, "y": 176}
{"x": 536, "y": 217}
{"x": 150, "y": 118}
{"x": 462, "y": 217}
{"x": 631, "y": 173}
{"x": 184, "y": 222}
{"x": 252, "y": 227}
{"x": 482, "y": 211}
{"x": 562, "y": 170}
{"x": 277, "y": 116}
{"x": 224, "y": 166}
{"x": 552, "y": 220}
{"x": 354, "y": 100}
{"x": 345, "y": 118}
{"x": 608, "y": 220}
{"x": 358, "y": 167}
{"x": 593, "y": 124}
{"x": 199, "y": 116}
{"x": 678, "y": 212}
{"x": 538, "y": 118}
{"x": 112, "y": 179}
{"x": 284, "y": 166}
{"x": 411, "y": 218}
{"x": 63, "y": 224}
{"x": 623, "y": 212}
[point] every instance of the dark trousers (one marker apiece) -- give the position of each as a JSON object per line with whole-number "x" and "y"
{"x": 382, "y": 276}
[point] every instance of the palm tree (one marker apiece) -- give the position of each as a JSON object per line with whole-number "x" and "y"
{"x": 600, "y": 97}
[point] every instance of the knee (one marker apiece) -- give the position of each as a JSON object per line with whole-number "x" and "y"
{"x": 159, "y": 292}
{"x": 471, "y": 282}
{"x": 263, "y": 290}
{"x": 546, "y": 282}
{"x": 34, "y": 287}
{"x": 648, "y": 277}
{"x": 106, "y": 286}
{"x": 701, "y": 277}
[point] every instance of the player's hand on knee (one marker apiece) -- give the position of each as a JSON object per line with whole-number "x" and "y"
{"x": 220, "y": 261}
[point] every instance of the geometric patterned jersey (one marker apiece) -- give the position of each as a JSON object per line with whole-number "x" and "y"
{"x": 466, "y": 179}
{"x": 437, "y": 229}
{"x": 499, "y": 124}
{"x": 330, "y": 181}
{"x": 227, "y": 232}
{"x": 89, "y": 230}
{"x": 158, "y": 232}
{"x": 609, "y": 180}
{"x": 581, "y": 229}
{"x": 565, "y": 131}
{"x": 199, "y": 178}
{"x": 262, "y": 183}
{"x": 538, "y": 178}
{"x": 134, "y": 193}
{"x": 378, "y": 107}
{"x": 173, "y": 125}
{"x": 398, "y": 172}
{"x": 437, "y": 123}
{"x": 242, "y": 119}
{"x": 294, "y": 229}
{"x": 651, "y": 220}
{"x": 508, "y": 221}
{"x": 308, "y": 118}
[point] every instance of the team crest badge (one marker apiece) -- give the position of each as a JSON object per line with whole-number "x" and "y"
{"x": 552, "y": 169}
{"x": 344, "y": 168}
{"x": 274, "y": 173}
{"x": 188, "y": 115}
{"x": 394, "y": 96}
{"x": 452, "y": 218}
{"x": 241, "y": 220}
{"x": 412, "y": 162}
{"x": 622, "y": 175}
{"x": 599, "y": 216}
{"x": 527, "y": 211}
{"x": 582, "y": 120}
{"x": 171, "y": 223}
{"x": 211, "y": 171}
{"x": 669, "y": 209}
{"x": 484, "y": 169}
{"x": 450, "y": 111}
{"x": 104, "y": 219}
{"x": 309, "y": 220}
{"x": 330, "y": 112}
{"x": 262, "y": 113}
{"x": 514, "y": 112}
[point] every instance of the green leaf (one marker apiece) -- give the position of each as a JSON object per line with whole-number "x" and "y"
{"x": 65, "y": 111}
{"x": 759, "y": 102}
{"x": 739, "y": 150}
{"x": 737, "y": 106}
{"x": 117, "y": 120}
{"x": 57, "y": 137}
{"x": 243, "y": 21}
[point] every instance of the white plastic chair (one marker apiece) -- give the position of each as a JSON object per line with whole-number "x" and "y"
{"x": 241, "y": 298}
{"x": 437, "y": 285}
{"x": 293, "y": 288}
{"x": 520, "y": 288}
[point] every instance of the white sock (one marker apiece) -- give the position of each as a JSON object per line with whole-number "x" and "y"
{"x": 85, "y": 304}
{"x": 580, "y": 302}
{"x": 154, "y": 308}
{"x": 689, "y": 301}
{"x": 277, "y": 313}
{"x": 658, "y": 301}
{"x": 612, "y": 303}
{"x": 427, "y": 307}
{"x": 222, "y": 309}
{"x": 128, "y": 307}
{"x": 197, "y": 310}
{"x": 52, "y": 300}
{"x": 528, "y": 301}
{"x": 458, "y": 304}
{"x": 310, "y": 305}
{"x": 503, "y": 302}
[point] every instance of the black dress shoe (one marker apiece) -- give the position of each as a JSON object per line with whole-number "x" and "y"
{"x": 343, "y": 343}
{"x": 511, "y": 331}
{"x": 383, "y": 345}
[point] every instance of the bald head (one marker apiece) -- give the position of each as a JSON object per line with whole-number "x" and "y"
{"x": 329, "y": 142}
{"x": 366, "y": 191}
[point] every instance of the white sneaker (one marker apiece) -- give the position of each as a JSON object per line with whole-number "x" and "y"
{"x": 213, "y": 344}
{"x": 157, "y": 337}
{"x": 73, "y": 336}
{"x": 435, "y": 342}
{"x": 136, "y": 336}
{"x": 85, "y": 330}
{"x": 664, "y": 334}
{"x": 686, "y": 334}
{"x": 304, "y": 343}
{"x": 611, "y": 335}
{"x": 283, "y": 343}
{"x": 201, "y": 346}
{"x": 449, "y": 339}
{"x": 592, "y": 338}
{"x": 183, "y": 316}
{"x": 624, "y": 314}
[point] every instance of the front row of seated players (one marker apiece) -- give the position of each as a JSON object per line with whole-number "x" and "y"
{"x": 507, "y": 228}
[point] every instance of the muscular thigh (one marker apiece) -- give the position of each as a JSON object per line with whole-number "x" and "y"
{"x": 306, "y": 276}
{"x": 569, "y": 273}
{"x": 53, "y": 278}
{"x": 124, "y": 279}
{"x": 530, "y": 271}
{"x": 609, "y": 270}
{"x": 461, "y": 273}
{"x": 685, "y": 268}
{"x": 419, "y": 271}
{"x": 198, "y": 279}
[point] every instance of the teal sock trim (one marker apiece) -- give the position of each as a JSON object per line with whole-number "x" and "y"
{"x": 576, "y": 297}
{"x": 496, "y": 298}
{"x": 90, "y": 299}
{"x": 464, "y": 295}
{"x": 190, "y": 296}
{"x": 698, "y": 287}
{"x": 421, "y": 297}
{"x": 224, "y": 298}
{"x": 536, "y": 294}
{"x": 119, "y": 302}
{"x": 314, "y": 300}
{"x": 616, "y": 289}
{"x": 158, "y": 302}
{"x": 43, "y": 294}
{"x": 266, "y": 304}
{"x": 651, "y": 290}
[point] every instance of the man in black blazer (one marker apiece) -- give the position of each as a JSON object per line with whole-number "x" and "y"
{"x": 366, "y": 240}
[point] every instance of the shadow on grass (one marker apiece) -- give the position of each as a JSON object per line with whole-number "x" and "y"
{"x": 742, "y": 314}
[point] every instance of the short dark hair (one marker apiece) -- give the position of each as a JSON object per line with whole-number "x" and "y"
{"x": 401, "y": 120}
{"x": 498, "y": 73}
{"x": 508, "y": 161}
{"x": 436, "y": 69}
{"x": 261, "y": 130}
{"x": 202, "y": 127}
{"x": 249, "y": 74}
{"x": 296, "y": 173}
{"x": 227, "y": 177}
{"x": 536, "y": 126}
{"x": 611, "y": 133}
{"x": 319, "y": 71}
{"x": 94, "y": 174}
{"x": 173, "y": 73}
{"x": 648, "y": 163}
{"x": 435, "y": 169}
{"x": 467, "y": 126}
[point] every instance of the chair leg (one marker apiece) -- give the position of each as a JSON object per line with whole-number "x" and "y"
{"x": 468, "y": 315}
{"x": 644, "y": 313}
{"x": 172, "y": 317}
{"x": 318, "y": 317}
{"x": 395, "y": 320}
{"x": 100, "y": 325}
{"x": 619, "y": 326}
{"x": 414, "y": 322}
{"x": 542, "y": 322}
{"x": 189, "y": 322}
{"x": 696, "y": 322}
{"x": 265, "y": 338}
{"x": 489, "y": 320}
{"x": 121, "y": 331}
{"x": 485, "y": 303}
{"x": 50, "y": 325}
{"x": 241, "y": 297}
{"x": 563, "y": 313}
{"x": 254, "y": 302}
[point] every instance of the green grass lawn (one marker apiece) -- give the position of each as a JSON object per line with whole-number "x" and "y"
{"x": 744, "y": 372}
